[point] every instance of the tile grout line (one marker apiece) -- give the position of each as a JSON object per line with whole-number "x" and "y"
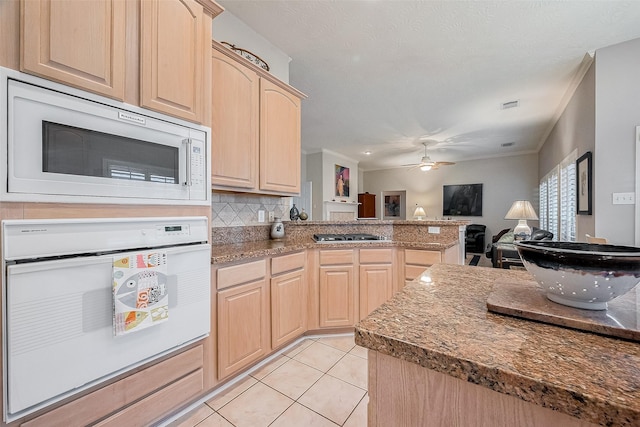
{"x": 309, "y": 388}
{"x": 282, "y": 352}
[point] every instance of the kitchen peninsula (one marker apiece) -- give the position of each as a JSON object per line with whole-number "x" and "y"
{"x": 438, "y": 357}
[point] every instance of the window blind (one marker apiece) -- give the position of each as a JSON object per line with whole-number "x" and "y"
{"x": 558, "y": 200}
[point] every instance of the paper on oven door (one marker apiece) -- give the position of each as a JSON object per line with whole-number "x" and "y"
{"x": 140, "y": 292}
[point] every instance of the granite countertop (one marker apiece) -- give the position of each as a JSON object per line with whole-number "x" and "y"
{"x": 444, "y": 325}
{"x": 231, "y": 252}
{"x": 376, "y": 221}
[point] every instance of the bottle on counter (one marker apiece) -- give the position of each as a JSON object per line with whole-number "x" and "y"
{"x": 277, "y": 229}
{"x": 294, "y": 214}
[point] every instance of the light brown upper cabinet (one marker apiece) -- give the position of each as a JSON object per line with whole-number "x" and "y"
{"x": 255, "y": 127}
{"x": 172, "y": 52}
{"x": 81, "y": 43}
{"x": 235, "y": 109}
{"x": 151, "y": 53}
{"x": 279, "y": 139}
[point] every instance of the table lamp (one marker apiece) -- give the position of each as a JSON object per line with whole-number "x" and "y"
{"x": 419, "y": 213}
{"x": 522, "y": 211}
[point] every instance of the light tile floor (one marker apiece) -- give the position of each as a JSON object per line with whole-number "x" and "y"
{"x": 320, "y": 382}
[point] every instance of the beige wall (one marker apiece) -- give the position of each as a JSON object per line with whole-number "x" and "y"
{"x": 321, "y": 172}
{"x": 505, "y": 179}
{"x": 617, "y": 115}
{"x": 575, "y": 130}
{"x": 601, "y": 118}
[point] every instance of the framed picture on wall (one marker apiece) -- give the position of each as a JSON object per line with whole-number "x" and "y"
{"x": 462, "y": 200}
{"x": 342, "y": 181}
{"x": 583, "y": 179}
{"x": 393, "y": 204}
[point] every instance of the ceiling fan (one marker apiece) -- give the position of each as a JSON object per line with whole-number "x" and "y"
{"x": 426, "y": 164}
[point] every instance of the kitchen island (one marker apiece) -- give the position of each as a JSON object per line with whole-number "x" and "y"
{"x": 438, "y": 357}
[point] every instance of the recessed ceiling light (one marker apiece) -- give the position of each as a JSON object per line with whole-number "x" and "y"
{"x": 367, "y": 153}
{"x": 510, "y": 104}
{"x": 508, "y": 144}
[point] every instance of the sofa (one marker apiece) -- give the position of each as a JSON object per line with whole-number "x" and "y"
{"x": 474, "y": 238}
{"x": 503, "y": 243}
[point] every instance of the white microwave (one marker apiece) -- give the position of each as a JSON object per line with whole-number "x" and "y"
{"x": 66, "y": 145}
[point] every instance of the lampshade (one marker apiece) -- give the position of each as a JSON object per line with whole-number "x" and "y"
{"x": 521, "y": 209}
{"x": 419, "y": 213}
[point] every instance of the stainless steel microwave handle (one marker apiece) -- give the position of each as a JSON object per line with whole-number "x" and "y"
{"x": 188, "y": 143}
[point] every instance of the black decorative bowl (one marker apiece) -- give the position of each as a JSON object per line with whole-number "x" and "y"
{"x": 581, "y": 275}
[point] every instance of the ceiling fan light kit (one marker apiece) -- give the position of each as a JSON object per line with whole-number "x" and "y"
{"x": 426, "y": 164}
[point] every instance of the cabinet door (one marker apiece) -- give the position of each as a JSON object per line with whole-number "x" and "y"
{"x": 172, "y": 56}
{"x": 288, "y": 307}
{"x": 376, "y": 286}
{"x": 77, "y": 42}
{"x": 234, "y": 129}
{"x": 367, "y": 206}
{"x": 416, "y": 261}
{"x": 243, "y": 326}
{"x": 336, "y": 296}
{"x": 279, "y": 139}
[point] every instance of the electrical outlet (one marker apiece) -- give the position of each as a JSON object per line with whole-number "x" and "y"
{"x": 271, "y": 216}
{"x": 624, "y": 199}
{"x": 261, "y": 215}
{"x": 433, "y": 230}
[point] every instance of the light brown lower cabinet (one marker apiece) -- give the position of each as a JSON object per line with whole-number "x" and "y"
{"x": 416, "y": 261}
{"x": 243, "y": 326}
{"x": 376, "y": 278}
{"x": 336, "y": 296}
{"x": 288, "y": 299}
{"x": 337, "y": 288}
{"x": 376, "y": 287}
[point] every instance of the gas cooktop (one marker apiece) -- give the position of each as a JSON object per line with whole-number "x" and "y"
{"x": 336, "y": 238}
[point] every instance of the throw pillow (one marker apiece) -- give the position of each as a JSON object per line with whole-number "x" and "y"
{"x": 506, "y": 238}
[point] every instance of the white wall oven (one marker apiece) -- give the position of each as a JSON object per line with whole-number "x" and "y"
{"x": 85, "y": 300}
{"x": 66, "y": 145}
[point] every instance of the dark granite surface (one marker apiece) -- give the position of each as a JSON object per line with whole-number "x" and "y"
{"x": 444, "y": 325}
{"x": 528, "y": 300}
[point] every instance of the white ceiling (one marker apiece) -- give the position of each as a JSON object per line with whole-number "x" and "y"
{"x": 383, "y": 75}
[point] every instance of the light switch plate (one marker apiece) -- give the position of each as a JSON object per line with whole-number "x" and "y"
{"x": 261, "y": 215}
{"x": 624, "y": 198}
{"x": 434, "y": 230}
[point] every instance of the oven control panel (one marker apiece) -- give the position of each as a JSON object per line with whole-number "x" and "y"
{"x": 173, "y": 230}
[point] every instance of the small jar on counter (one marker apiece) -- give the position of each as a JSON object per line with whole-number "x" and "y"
{"x": 277, "y": 229}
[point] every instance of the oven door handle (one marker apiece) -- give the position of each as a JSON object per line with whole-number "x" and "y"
{"x": 188, "y": 142}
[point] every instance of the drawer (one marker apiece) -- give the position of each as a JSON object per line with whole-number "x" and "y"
{"x": 413, "y": 271}
{"x": 241, "y": 273}
{"x": 157, "y": 378}
{"x": 153, "y": 407}
{"x": 418, "y": 257}
{"x": 287, "y": 263}
{"x": 336, "y": 256}
{"x": 376, "y": 256}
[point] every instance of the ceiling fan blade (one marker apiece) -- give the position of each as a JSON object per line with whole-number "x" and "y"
{"x": 445, "y": 163}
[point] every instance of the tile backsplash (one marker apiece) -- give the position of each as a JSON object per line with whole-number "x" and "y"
{"x": 230, "y": 209}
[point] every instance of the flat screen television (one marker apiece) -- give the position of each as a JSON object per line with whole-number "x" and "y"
{"x": 462, "y": 200}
